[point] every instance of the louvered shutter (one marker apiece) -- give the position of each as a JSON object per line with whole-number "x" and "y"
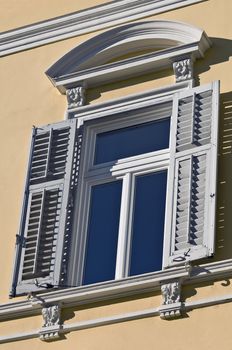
{"x": 39, "y": 252}
{"x": 192, "y": 176}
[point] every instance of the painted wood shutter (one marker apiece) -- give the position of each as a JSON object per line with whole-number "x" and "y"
{"x": 40, "y": 243}
{"x": 193, "y": 158}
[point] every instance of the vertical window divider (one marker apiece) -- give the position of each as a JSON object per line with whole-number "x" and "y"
{"x": 124, "y": 227}
{"x": 170, "y": 194}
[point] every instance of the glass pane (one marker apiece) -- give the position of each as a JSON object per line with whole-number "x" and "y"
{"x": 148, "y": 223}
{"x": 131, "y": 141}
{"x": 102, "y": 237}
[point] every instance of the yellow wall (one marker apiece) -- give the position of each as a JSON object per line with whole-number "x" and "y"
{"x": 18, "y": 13}
{"x": 28, "y": 98}
{"x": 210, "y": 324}
{"x": 208, "y": 329}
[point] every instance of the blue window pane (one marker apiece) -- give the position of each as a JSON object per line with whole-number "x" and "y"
{"x": 131, "y": 141}
{"x": 102, "y": 239}
{"x": 148, "y": 223}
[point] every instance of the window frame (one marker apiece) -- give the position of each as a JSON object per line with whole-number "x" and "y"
{"x": 125, "y": 169}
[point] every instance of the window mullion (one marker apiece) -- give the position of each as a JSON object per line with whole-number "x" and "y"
{"x": 124, "y": 226}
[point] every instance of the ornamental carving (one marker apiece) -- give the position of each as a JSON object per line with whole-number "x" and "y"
{"x": 183, "y": 70}
{"x": 170, "y": 293}
{"x": 51, "y": 327}
{"x": 76, "y": 97}
{"x": 171, "y": 311}
{"x": 171, "y": 306}
{"x": 51, "y": 315}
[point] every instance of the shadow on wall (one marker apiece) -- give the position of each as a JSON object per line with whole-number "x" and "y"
{"x": 94, "y": 94}
{"x": 224, "y": 188}
{"x": 221, "y": 51}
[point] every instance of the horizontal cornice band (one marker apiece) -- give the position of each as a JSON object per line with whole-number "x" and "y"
{"x": 122, "y": 288}
{"x": 103, "y": 321}
{"x": 83, "y": 22}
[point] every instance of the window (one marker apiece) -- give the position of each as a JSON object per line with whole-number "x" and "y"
{"x": 123, "y": 186}
{"x": 130, "y": 193}
{"x": 128, "y": 187}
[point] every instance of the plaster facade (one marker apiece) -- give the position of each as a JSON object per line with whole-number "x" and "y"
{"x": 28, "y": 98}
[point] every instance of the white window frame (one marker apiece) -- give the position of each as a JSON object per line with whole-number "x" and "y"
{"x": 127, "y": 169}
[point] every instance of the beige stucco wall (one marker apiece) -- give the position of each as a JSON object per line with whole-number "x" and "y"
{"x": 210, "y": 324}
{"x": 207, "y": 329}
{"x": 28, "y": 98}
{"x": 15, "y": 13}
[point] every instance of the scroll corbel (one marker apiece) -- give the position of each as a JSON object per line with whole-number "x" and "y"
{"x": 51, "y": 323}
{"x": 183, "y": 70}
{"x": 171, "y": 306}
{"x": 76, "y": 97}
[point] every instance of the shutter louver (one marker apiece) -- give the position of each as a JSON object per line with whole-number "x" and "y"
{"x": 44, "y": 216}
{"x": 50, "y": 155}
{"x": 194, "y": 121}
{"x": 190, "y": 202}
{"x": 42, "y": 232}
{"x": 193, "y": 166}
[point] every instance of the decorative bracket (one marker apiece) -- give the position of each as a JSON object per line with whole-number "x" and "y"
{"x": 76, "y": 97}
{"x": 171, "y": 306}
{"x": 183, "y": 70}
{"x": 51, "y": 327}
{"x": 171, "y": 311}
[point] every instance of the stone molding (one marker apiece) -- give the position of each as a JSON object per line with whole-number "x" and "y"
{"x": 171, "y": 311}
{"x": 163, "y": 311}
{"x": 171, "y": 292}
{"x": 76, "y": 97}
{"x": 84, "y": 295}
{"x": 88, "y": 63}
{"x": 83, "y": 22}
{"x": 183, "y": 69}
{"x": 51, "y": 327}
{"x": 171, "y": 307}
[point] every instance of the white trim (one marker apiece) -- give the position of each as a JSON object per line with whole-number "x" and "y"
{"x": 128, "y": 68}
{"x": 128, "y": 103}
{"x": 88, "y": 63}
{"x": 120, "y": 288}
{"x": 101, "y": 173}
{"x": 134, "y": 315}
{"x": 94, "y": 293}
{"x": 83, "y": 22}
{"x": 19, "y": 336}
{"x": 221, "y": 299}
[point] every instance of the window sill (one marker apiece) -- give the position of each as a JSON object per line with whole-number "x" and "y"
{"x": 116, "y": 289}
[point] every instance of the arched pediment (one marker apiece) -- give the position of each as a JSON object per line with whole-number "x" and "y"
{"x": 151, "y": 36}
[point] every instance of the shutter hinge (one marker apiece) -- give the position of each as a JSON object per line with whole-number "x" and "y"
{"x": 70, "y": 201}
{"x": 20, "y": 240}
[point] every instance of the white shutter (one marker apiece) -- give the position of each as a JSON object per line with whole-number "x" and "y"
{"x": 192, "y": 176}
{"x": 46, "y": 209}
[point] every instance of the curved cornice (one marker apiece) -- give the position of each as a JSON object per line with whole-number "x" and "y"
{"x": 125, "y": 39}
{"x": 88, "y": 63}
